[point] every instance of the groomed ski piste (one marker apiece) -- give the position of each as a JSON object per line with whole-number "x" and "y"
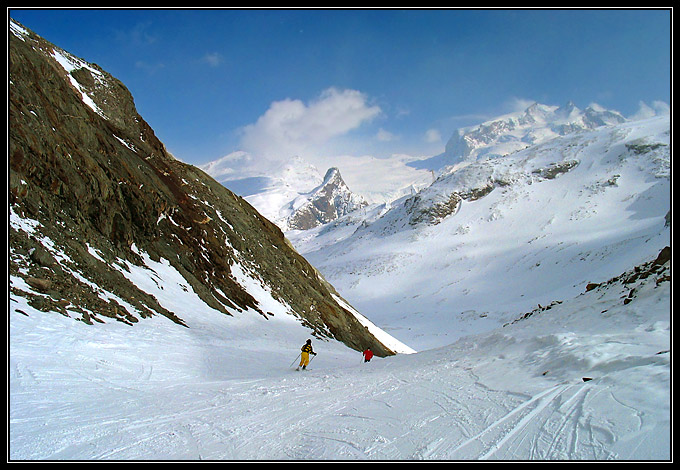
{"x": 224, "y": 388}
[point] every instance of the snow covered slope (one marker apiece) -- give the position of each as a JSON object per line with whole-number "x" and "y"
{"x": 493, "y": 237}
{"x": 206, "y": 393}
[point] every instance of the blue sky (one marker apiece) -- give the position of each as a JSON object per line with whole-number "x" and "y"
{"x": 373, "y": 82}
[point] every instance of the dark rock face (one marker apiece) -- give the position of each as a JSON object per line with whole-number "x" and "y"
{"x": 90, "y": 176}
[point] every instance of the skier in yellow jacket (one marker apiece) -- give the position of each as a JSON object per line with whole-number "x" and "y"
{"x": 304, "y": 356}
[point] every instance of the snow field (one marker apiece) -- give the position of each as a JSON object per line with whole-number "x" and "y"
{"x": 224, "y": 389}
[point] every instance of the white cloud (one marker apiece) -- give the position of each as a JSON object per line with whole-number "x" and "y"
{"x": 229, "y": 165}
{"x": 149, "y": 67}
{"x": 433, "y": 136}
{"x": 140, "y": 34}
{"x": 657, "y": 108}
{"x": 380, "y": 179}
{"x": 515, "y": 104}
{"x": 385, "y": 136}
{"x": 291, "y": 127}
{"x": 213, "y": 59}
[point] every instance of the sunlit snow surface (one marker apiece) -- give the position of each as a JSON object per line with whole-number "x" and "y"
{"x": 225, "y": 388}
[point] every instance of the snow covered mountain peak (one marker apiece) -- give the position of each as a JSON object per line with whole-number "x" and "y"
{"x": 332, "y": 174}
{"x": 325, "y": 203}
{"x": 516, "y": 131}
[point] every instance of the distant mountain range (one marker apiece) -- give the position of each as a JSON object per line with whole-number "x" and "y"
{"x": 517, "y": 131}
{"x": 282, "y": 190}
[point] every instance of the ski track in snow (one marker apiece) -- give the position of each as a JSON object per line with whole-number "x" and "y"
{"x": 403, "y": 408}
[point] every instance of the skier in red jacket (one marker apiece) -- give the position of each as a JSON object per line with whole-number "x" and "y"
{"x": 368, "y": 354}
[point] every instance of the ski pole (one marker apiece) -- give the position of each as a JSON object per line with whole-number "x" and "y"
{"x": 298, "y": 356}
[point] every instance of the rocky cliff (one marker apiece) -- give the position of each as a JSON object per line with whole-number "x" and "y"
{"x": 92, "y": 190}
{"x": 325, "y": 203}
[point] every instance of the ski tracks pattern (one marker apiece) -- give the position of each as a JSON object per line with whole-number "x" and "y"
{"x": 550, "y": 425}
{"x": 441, "y": 413}
{"x": 450, "y": 417}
